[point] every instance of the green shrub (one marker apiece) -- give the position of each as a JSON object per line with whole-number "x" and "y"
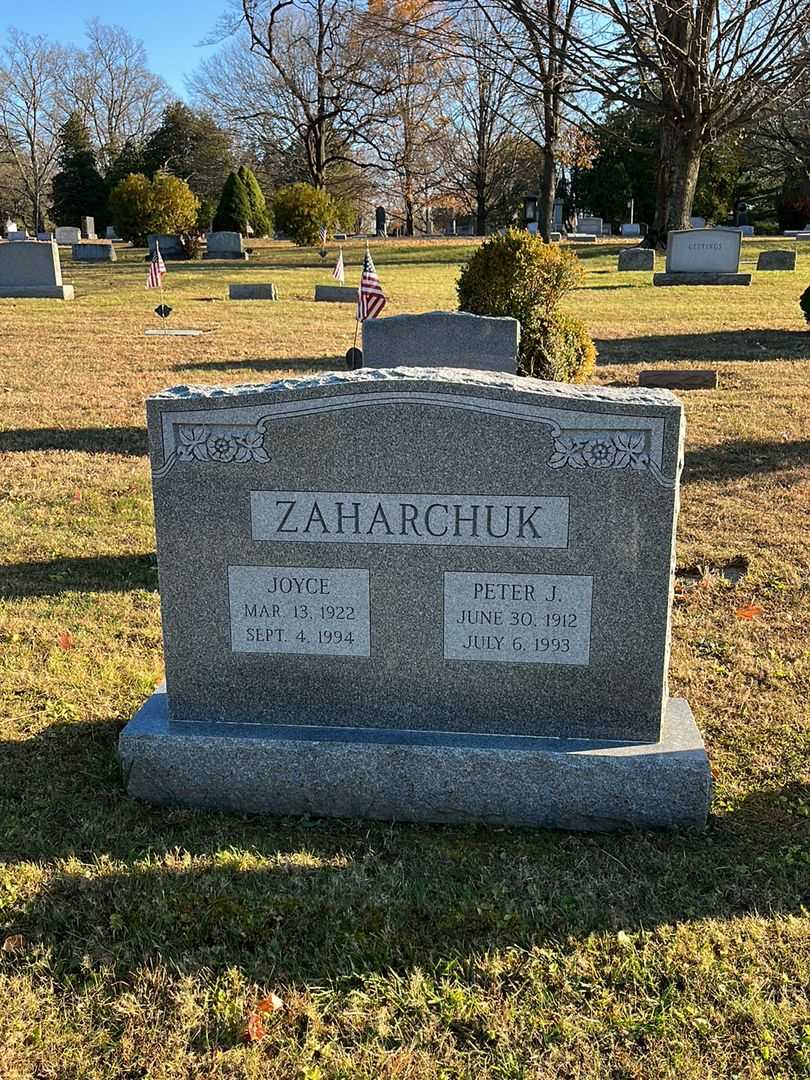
{"x": 559, "y": 348}
{"x": 519, "y": 276}
{"x": 300, "y": 210}
{"x": 233, "y": 212}
{"x": 804, "y": 303}
{"x": 261, "y": 219}
{"x": 165, "y": 204}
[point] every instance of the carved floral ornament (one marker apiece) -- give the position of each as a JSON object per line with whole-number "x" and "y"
{"x": 605, "y": 450}
{"x": 200, "y": 442}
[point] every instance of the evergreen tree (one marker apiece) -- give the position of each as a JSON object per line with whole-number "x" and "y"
{"x": 78, "y": 187}
{"x": 260, "y": 217}
{"x": 189, "y": 144}
{"x": 233, "y": 212}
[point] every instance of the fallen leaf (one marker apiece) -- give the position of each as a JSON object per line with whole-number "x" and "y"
{"x": 270, "y": 1004}
{"x": 254, "y": 1030}
{"x": 14, "y": 943}
{"x": 748, "y": 611}
{"x": 65, "y": 640}
{"x": 77, "y": 495}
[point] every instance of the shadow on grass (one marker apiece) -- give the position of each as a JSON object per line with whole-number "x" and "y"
{"x": 129, "y": 441}
{"x": 323, "y": 363}
{"x": 740, "y": 458}
{"x": 300, "y": 899}
{"x": 94, "y": 573}
{"x": 729, "y": 345}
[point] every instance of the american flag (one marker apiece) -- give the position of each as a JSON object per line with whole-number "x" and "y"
{"x": 338, "y": 273}
{"x": 370, "y": 297}
{"x": 323, "y": 234}
{"x": 157, "y": 268}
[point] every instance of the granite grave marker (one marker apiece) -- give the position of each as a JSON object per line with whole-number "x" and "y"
{"x": 703, "y": 257}
{"x": 372, "y": 607}
{"x": 31, "y": 268}
{"x": 453, "y": 339}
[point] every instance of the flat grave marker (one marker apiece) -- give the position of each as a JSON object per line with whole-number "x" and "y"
{"x": 451, "y": 339}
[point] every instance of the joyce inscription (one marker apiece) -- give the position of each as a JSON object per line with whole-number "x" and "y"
{"x": 363, "y": 518}
{"x": 299, "y": 609}
{"x": 518, "y": 618}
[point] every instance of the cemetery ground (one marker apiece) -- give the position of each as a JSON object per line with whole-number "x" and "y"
{"x": 139, "y": 941}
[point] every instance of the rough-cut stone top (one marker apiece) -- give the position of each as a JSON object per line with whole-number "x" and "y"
{"x": 485, "y": 380}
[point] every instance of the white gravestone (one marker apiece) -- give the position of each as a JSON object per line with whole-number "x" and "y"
{"x": 31, "y": 269}
{"x": 703, "y": 257}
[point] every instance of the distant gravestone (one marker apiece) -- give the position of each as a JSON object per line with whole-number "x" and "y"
{"x": 630, "y": 228}
{"x": 88, "y": 228}
{"x": 111, "y": 233}
{"x": 554, "y": 237}
{"x": 252, "y": 291}
{"x": 582, "y": 238}
{"x": 171, "y": 246}
{"x": 446, "y": 339}
{"x": 637, "y": 259}
{"x": 10, "y": 226}
{"x": 380, "y": 221}
{"x": 31, "y": 268}
{"x": 703, "y": 257}
{"x": 97, "y": 251}
{"x": 776, "y": 260}
{"x": 19, "y": 234}
{"x": 373, "y": 608}
{"x": 336, "y": 294}
{"x": 592, "y": 225}
{"x": 68, "y": 235}
{"x": 697, "y": 222}
{"x": 45, "y": 236}
{"x": 225, "y": 245}
{"x": 747, "y": 230}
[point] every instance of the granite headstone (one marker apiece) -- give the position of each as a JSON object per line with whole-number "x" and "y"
{"x": 171, "y": 246}
{"x": 225, "y": 245}
{"x": 88, "y": 228}
{"x": 31, "y": 268}
{"x": 422, "y": 594}
{"x": 68, "y": 235}
{"x": 452, "y": 339}
{"x": 94, "y": 251}
{"x": 703, "y": 257}
{"x": 636, "y": 258}
{"x": 776, "y": 259}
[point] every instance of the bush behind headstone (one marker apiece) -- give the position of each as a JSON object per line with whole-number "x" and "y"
{"x": 234, "y": 212}
{"x": 517, "y": 275}
{"x": 300, "y": 211}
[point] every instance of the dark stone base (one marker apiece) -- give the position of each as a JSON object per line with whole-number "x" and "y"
{"x": 680, "y": 380}
{"x": 420, "y": 776}
{"x": 701, "y": 279}
{"x": 36, "y": 292}
{"x": 226, "y": 256}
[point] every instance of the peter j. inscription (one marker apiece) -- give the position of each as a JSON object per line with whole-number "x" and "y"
{"x": 341, "y": 517}
{"x": 312, "y": 610}
{"x": 518, "y": 618}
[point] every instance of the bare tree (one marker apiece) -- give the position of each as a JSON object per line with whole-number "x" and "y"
{"x": 489, "y": 159}
{"x": 703, "y": 68}
{"x": 31, "y": 111}
{"x": 109, "y": 84}
{"x": 538, "y": 38}
{"x": 295, "y": 73}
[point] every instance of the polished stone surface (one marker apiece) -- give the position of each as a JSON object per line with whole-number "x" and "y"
{"x": 453, "y": 339}
{"x": 636, "y": 259}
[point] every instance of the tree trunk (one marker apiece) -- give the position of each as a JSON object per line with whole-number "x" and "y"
{"x": 548, "y": 190}
{"x": 481, "y": 212}
{"x": 679, "y": 151}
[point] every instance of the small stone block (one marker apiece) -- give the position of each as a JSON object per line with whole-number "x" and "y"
{"x": 336, "y": 294}
{"x": 94, "y": 251}
{"x": 679, "y": 380}
{"x": 702, "y": 279}
{"x": 432, "y": 776}
{"x": 248, "y": 291}
{"x": 776, "y": 260}
{"x": 68, "y": 235}
{"x": 637, "y": 259}
{"x": 582, "y": 238}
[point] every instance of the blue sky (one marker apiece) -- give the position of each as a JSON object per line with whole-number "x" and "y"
{"x": 170, "y": 29}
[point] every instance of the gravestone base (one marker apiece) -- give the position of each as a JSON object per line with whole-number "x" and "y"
{"x": 701, "y": 279}
{"x": 36, "y": 292}
{"x": 254, "y": 291}
{"x": 226, "y": 256}
{"x": 432, "y": 776}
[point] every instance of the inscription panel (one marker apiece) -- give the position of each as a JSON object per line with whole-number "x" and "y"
{"x": 313, "y": 610}
{"x": 517, "y": 618}
{"x": 341, "y": 517}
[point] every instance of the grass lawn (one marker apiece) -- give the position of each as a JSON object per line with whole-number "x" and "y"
{"x": 137, "y": 941}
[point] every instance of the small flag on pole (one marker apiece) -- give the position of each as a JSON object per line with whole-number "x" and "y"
{"x": 323, "y": 235}
{"x": 338, "y": 273}
{"x": 370, "y": 297}
{"x": 157, "y": 268}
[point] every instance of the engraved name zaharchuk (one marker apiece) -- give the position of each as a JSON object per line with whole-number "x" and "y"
{"x": 384, "y": 518}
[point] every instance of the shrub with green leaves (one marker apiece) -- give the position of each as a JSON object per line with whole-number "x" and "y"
{"x": 261, "y": 219}
{"x": 300, "y": 211}
{"x": 804, "y": 303}
{"x": 165, "y": 204}
{"x": 233, "y": 213}
{"x": 519, "y": 276}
